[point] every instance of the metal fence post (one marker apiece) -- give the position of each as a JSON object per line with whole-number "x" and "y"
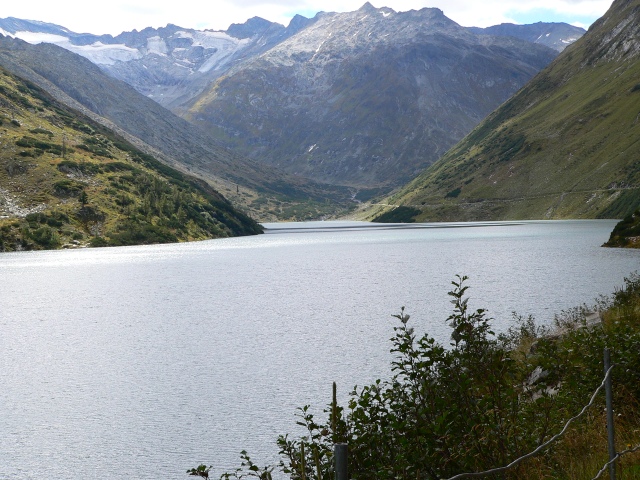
{"x": 340, "y": 458}
{"x": 610, "y": 429}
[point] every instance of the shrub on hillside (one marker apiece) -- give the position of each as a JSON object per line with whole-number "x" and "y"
{"x": 625, "y": 231}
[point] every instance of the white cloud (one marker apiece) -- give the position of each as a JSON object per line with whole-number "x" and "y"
{"x": 119, "y": 15}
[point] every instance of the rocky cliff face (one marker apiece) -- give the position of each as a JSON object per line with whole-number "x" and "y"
{"x": 616, "y": 36}
{"x": 366, "y": 98}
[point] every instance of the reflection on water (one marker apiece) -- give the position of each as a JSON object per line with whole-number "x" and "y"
{"x": 142, "y": 362}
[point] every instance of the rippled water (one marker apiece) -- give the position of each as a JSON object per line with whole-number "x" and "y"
{"x": 142, "y": 362}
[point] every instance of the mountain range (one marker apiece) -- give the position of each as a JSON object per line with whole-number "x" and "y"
{"x": 172, "y": 64}
{"x": 296, "y": 122}
{"x": 363, "y": 100}
{"x": 167, "y": 63}
{"x": 565, "y": 146}
{"x": 554, "y": 35}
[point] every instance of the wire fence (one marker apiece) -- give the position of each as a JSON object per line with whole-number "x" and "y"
{"x": 614, "y": 459}
{"x": 544, "y": 445}
{"x": 340, "y": 452}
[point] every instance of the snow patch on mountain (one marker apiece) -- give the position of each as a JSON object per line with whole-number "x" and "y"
{"x": 209, "y": 38}
{"x": 222, "y": 48}
{"x": 39, "y": 37}
{"x": 97, "y": 52}
{"x": 102, "y": 54}
{"x": 157, "y": 46}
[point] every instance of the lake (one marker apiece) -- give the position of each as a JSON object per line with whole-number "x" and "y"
{"x": 143, "y": 362}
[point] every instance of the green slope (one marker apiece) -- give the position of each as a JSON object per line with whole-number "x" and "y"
{"x": 67, "y": 181}
{"x": 565, "y": 146}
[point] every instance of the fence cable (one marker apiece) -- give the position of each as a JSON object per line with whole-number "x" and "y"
{"x": 541, "y": 446}
{"x": 618, "y": 455}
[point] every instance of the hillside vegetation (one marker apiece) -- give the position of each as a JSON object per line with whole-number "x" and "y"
{"x": 66, "y": 181}
{"x": 565, "y": 146}
{"x": 627, "y": 232}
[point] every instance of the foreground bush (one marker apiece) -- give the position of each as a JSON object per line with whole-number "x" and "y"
{"x": 483, "y": 400}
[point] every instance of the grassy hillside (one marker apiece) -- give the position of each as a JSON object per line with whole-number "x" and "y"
{"x": 67, "y": 181}
{"x": 565, "y": 146}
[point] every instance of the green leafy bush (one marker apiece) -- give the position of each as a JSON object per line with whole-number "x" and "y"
{"x": 85, "y": 168}
{"x": 98, "y": 242}
{"x": 67, "y": 188}
{"x": 454, "y": 193}
{"x": 483, "y": 400}
{"x": 44, "y": 236}
{"x": 141, "y": 234}
{"x": 445, "y": 410}
{"x": 42, "y": 131}
{"x": 42, "y": 146}
{"x": 53, "y": 219}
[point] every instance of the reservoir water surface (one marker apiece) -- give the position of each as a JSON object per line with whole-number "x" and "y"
{"x": 142, "y": 362}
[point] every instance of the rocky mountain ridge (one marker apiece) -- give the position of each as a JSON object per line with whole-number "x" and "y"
{"x": 554, "y": 35}
{"x": 166, "y": 63}
{"x": 366, "y": 98}
{"x": 172, "y": 64}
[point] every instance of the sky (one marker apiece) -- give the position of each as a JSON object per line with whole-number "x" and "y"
{"x": 116, "y": 16}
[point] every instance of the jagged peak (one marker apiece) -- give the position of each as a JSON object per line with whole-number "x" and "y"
{"x": 253, "y": 26}
{"x": 298, "y": 22}
{"x": 367, "y": 7}
{"x": 297, "y": 17}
